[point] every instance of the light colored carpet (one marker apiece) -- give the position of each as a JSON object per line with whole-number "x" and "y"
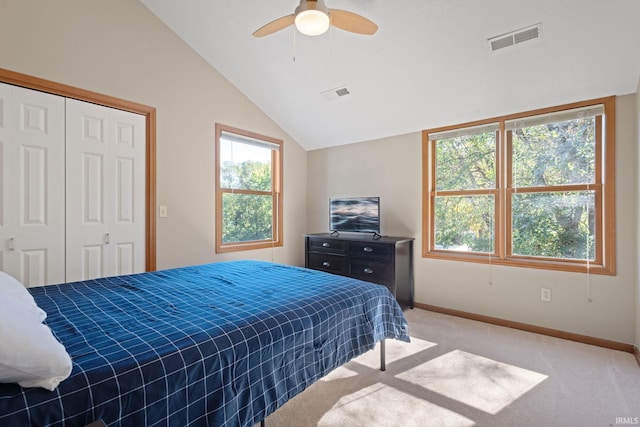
{"x": 459, "y": 372}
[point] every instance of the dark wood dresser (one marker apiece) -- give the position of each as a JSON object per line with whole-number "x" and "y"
{"x": 386, "y": 261}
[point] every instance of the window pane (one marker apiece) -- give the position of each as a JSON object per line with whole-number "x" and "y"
{"x": 244, "y": 166}
{"x": 466, "y": 162}
{"x": 465, "y": 223}
{"x": 558, "y": 224}
{"x": 555, "y": 154}
{"x": 246, "y": 217}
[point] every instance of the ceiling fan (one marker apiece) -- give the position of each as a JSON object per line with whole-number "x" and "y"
{"x": 313, "y": 18}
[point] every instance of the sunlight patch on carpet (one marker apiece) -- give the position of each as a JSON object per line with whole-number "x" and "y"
{"x": 339, "y": 374}
{"x": 395, "y": 350}
{"x": 474, "y": 380}
{"x": 371, "y": 405}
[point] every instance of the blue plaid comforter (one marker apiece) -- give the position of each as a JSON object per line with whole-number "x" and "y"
{"x": 221, "y": 344}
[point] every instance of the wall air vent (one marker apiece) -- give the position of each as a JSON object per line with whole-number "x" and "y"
{"x": 515, "y": 37}
{"x": 335, "y": 93}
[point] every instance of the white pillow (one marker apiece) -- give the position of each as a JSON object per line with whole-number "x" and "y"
{"x": 29, "y": 353}
{"x": 11, "y": 288}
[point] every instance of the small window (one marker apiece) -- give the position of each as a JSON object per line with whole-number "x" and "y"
{"x": 248, "y": 190}
{"x": 530, "y": 189}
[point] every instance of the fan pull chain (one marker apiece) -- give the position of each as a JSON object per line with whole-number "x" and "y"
{"x": 294, "y": 44}
{"x": 491, "y": 253}
{"x": 330, "y": 33}
{"x": 589, "y": 299}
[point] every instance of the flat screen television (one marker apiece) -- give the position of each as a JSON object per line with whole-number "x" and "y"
{"x": 355, "y": 215}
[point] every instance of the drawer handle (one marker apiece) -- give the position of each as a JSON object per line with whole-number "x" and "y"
{"x": 368, "y": 249}
{"x": 326, "y": 264}
{"x": 326, "y": 245}
{"x": 368, "y": 270}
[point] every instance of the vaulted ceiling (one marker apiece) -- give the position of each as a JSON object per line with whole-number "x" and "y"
{"x": 428, "y": 65}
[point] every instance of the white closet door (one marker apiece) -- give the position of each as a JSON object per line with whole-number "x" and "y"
{"x": 127, "y": 207}
{"x": 105, "y": 191}
{"x": 32, "y": 237}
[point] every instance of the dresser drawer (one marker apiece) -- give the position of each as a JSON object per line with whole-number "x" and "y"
{"x": 386, "y": 261}
{"x": 327, "y": 245}
{"x": 370, "y": 250}
{"x": 329, "y": 263}
{"x": 372, "y": 271}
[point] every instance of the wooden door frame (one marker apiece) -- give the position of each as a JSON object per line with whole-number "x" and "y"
{"x": 35, "y": 83}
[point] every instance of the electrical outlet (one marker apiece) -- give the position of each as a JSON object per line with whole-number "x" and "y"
{"x": 545, "y": 294}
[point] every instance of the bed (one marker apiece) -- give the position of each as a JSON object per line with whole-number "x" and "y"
{"x": 212, "y": 345}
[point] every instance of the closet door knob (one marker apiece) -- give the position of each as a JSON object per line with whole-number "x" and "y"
{"x": 107, "y": 239}
{"x": 12, "y": 243}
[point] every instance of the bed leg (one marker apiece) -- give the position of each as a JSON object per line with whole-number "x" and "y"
{"x": 262, "y": 423}
{"x": 382, "y": 361}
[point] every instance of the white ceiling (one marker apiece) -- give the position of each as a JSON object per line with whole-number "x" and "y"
{"x": 429, "y": 64}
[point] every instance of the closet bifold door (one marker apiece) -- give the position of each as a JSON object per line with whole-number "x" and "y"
{"x": 105, "y": 187}
{"x": 31, "y": 185}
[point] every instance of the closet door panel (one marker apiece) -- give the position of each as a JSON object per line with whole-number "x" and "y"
{"x": 105, "y": 187}
{"x": 93, "y": 262}
{"x": 33, "y": 266}
{"x": 32, "y": 145}
{"x": 87, "y": 224}
{"x": 127, "y": 154}
{"x": 33, "y": 186}
{"x": 92, "y": 197}
{"x": 125, "y": 191}
{"x": 126, "y": 258}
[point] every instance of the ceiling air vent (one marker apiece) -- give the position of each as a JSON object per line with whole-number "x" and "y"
{"x": 335, "y": 93}
{"x": 515, "y": 37}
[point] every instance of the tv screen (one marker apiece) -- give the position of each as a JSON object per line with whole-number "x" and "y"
{"x": 355, "y": 214}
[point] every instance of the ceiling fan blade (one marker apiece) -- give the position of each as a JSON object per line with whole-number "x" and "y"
{"x": 273, "y": 26}
{"x": 352, "y": 22}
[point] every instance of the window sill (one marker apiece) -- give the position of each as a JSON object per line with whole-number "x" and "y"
{"x": 538, "y": 263}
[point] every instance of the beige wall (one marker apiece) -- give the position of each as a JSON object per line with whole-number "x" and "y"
{"x": 391, "y": 168}
{"x": 121, "y": 49}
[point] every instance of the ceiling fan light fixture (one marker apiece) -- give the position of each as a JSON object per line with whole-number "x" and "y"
{"x": 312, "y": 19}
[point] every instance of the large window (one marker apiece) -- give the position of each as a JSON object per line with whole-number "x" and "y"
{"x": 248, "y": 190}
{"x": 533, "y": 189}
